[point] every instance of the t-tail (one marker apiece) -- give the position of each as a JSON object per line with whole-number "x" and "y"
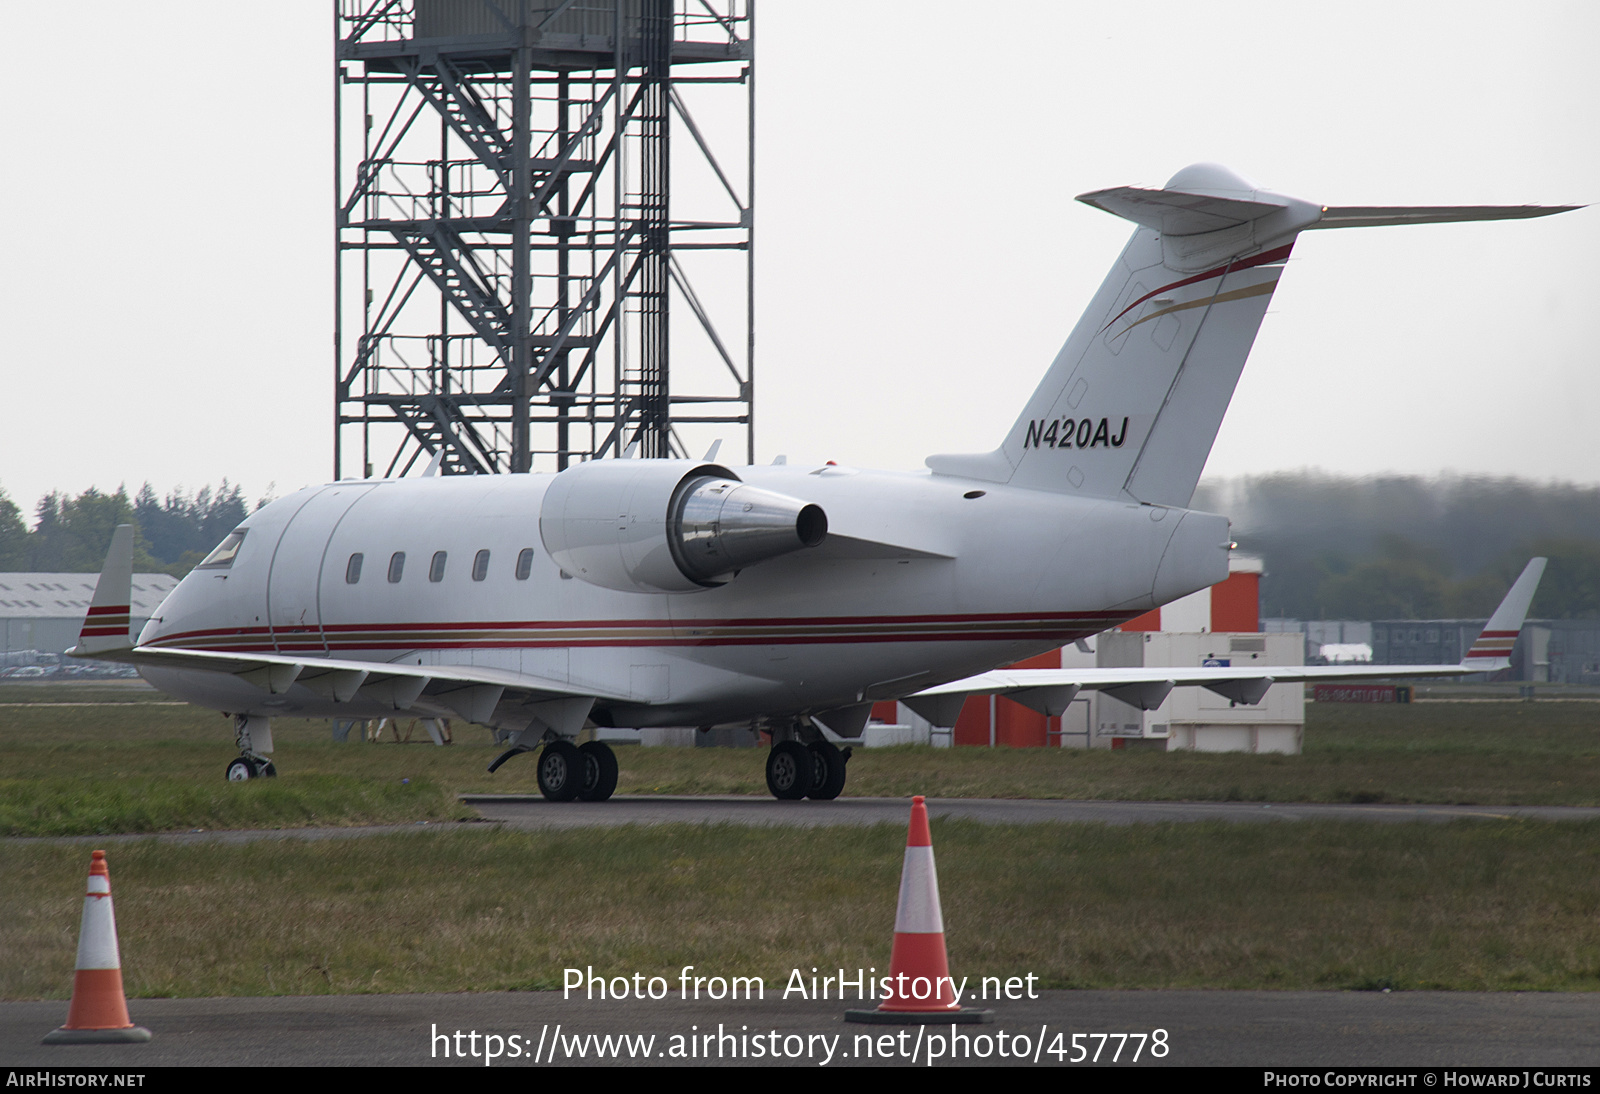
{"x": 1132, "y": 404}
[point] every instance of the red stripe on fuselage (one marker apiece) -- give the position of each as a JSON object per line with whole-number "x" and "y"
{"x": 1066, "y": 626}
{"x": 1062, "y": 637}
{"x": 681, "y": 624}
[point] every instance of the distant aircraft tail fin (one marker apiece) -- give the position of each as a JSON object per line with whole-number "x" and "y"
{"x": 1132, "y": 403}
{"x": 107, "y": 625}
{"x": 1492, "y": 651}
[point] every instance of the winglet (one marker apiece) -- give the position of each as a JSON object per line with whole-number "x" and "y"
{"x": 1492, "y": 651}
{"x": 106, "y": 626}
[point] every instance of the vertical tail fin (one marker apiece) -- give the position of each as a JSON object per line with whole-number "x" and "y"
{"x": 106, "y": 626}
{"x": 1492, "y": 651}
{"x": 1132, "y": 404}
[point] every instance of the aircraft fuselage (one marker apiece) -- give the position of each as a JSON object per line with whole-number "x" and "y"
{"x": 923, "y": 578}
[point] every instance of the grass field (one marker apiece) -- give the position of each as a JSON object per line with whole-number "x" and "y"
{"x": 1473, "y": 905}
{"x": 86, "y": 759}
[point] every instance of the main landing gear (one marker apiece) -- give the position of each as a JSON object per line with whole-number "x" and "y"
{"x": 251, "y": 733}
{"x": 570, "y": 772}
{"x": 815, "y": 770}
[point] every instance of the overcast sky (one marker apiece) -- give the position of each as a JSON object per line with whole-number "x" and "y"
{"x": 167, "y": 301}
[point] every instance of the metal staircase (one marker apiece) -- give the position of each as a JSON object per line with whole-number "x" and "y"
{"x": 508, "y": 253}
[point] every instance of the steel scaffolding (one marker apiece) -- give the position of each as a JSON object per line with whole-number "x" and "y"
{"x": 509, "y": 245}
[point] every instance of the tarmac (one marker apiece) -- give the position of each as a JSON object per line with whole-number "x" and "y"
{"x": 533, "y": 813}
{"x": 1246, "y": 1028}
{"x": 1243, "y": 1028}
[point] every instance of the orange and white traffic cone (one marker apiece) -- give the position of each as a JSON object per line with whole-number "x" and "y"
{"x": 920, "y": 989}
{"x": 99, "y": 1011}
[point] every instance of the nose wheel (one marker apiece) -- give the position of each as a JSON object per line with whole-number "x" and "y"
{"x": 252, "y": 735}
{"x": 245, "y": 768}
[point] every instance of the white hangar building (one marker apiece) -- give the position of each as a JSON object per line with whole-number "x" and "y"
{"x": 45, "y": 612}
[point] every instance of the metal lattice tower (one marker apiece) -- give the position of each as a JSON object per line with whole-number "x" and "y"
{"x": 510, "y": 247}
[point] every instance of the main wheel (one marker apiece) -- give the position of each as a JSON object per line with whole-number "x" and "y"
{"x": 240, "y": 770}
{"x": 827, "y": 771}
{"x": 790, "y": 770}
{"x": 560, "y": 771}
{"x": 265, "y": 770}
{"x": 599, "y": 771}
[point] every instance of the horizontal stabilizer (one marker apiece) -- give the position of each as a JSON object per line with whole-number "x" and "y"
{"x": 1131, "y": 405}
{"x": 1176, "y": 212}
{"x": 1377, "y": 216}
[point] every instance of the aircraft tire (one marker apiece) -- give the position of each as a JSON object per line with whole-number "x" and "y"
{"x": 560, "y": 771}
{"x": 265, "y": 770}
{"x": 599, "y": 772}
{"x": 790, "y": 770}
{"x": 240, "y": 770}
{"x": 828, "y": 774}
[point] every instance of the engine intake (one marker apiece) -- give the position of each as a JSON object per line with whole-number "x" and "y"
{"x": 668, "y": 525}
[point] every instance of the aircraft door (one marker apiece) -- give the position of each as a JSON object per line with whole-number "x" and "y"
{"x": 293, "y": 608}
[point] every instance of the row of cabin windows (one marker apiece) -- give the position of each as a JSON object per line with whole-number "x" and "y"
{"x": 397, "y": 566}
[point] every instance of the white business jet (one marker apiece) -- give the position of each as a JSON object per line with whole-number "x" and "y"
{"x": 634, "y": 593}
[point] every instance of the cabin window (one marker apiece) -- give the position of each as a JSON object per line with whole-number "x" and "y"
{"x": 524, "y": 563}
{"x": 352, "y": 569}
{"x": 397, "y": 566}
{"x": 480, "y": 565}
{"x": 436, "y": 567}
{"x": 222, "y": 557}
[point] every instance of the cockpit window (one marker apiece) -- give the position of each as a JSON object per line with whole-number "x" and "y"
{"x": 223, "y": 556}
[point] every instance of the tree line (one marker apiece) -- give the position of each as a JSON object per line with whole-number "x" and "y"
{"x": 71, "y": 534}
{"x": 1407, "y": 547}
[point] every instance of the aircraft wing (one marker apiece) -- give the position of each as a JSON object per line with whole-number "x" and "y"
{"x": 470, "y": 691}
{"x": 1049, "y": 691}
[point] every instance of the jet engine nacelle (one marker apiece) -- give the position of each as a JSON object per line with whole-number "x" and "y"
{"x": 668, "y": 526}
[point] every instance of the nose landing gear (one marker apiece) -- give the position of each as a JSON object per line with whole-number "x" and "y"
{"x": 250, "y": 733}
{"x": 244, "y": 768}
